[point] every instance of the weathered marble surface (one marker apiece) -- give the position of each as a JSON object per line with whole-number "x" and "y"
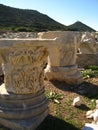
{"x": 23, "y": 105}
{"x": 85, "y": 60}
{"x": 62, "y": 57}
{"x": 88, "y": 43}
{"x": 23, "y": 62}
{"x": 88, "y": 50}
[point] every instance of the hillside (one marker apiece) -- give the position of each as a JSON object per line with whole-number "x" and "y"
{"x": 31, "y": 20}
{"x": 79, "y": 26}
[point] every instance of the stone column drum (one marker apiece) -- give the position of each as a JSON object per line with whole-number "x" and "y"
{"x": 23, "y": 105}
{"x": 62, "y": 57}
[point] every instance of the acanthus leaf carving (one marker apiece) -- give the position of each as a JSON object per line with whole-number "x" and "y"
{"x": 26, "y": 70}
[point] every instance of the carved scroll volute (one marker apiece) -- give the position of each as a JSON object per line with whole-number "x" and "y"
{"x": 23, "y": 69}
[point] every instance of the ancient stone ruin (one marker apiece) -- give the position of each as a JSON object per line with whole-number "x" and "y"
{"x": 62, "y": 57}
{"x": 23, "y": 105}
{"x": 88, "y": 50}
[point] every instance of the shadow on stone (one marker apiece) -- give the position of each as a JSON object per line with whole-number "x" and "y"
{"x": 53, "y": 123}
{"x": 1, "y": 79}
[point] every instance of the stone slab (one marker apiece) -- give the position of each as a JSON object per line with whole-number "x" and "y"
{"x": 89, "y": 126}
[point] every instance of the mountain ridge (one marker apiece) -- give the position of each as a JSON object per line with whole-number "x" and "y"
{"x": 16, "y": 19}
{"x": 81, "y": 26}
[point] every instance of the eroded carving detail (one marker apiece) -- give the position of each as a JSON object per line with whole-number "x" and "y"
{"x": 24, "y": 73}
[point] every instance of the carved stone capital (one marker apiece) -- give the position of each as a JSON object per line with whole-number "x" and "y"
{"x": 23, "y": 67}
{"x": 23, "y": 105}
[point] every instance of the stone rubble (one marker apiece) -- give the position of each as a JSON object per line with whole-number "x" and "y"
{"x": 92, "y": 114}
{"x": 75, "y": 101}
{"x": 11, "y": 35}
{"x": 88, "y": 50}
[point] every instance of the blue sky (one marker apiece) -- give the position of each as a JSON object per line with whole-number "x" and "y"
{"x": 64, "y": 11}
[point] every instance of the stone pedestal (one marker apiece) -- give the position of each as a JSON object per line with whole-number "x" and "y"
{"x": 62, "y": 57}
{"x": 23, "y": 105}
{"x": 22, "y": 111}
{"x": 69, "y": 74}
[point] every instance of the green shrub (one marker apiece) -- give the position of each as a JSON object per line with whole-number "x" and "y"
{"x": 22, "y": 29}
{"x": 93, "y": 67}
{"x": 55, "y": 97}
{"x": 91, "y": 72}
